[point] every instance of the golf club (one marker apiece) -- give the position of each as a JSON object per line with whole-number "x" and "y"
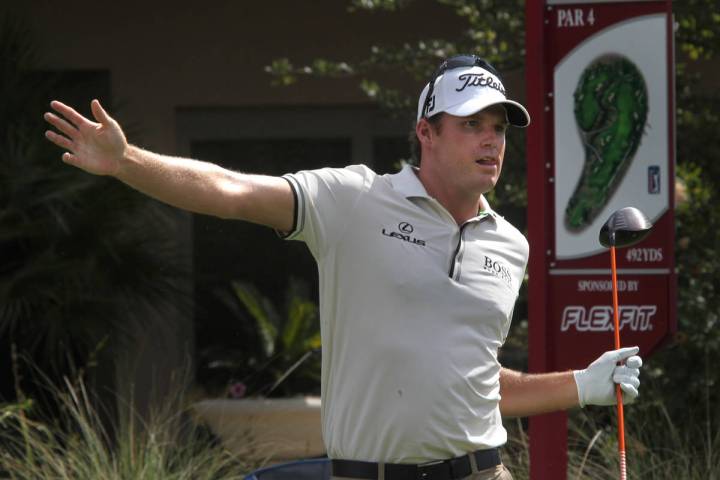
{"x": 625, "y": 227}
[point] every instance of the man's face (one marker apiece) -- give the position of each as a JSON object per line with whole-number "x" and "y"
{"x": 468, "y": 151}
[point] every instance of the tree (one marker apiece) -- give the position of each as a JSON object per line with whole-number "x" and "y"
{"x": 697, "y": 346}
{"x": 85, "y": 261}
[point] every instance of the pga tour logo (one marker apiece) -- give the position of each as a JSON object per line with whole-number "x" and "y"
{"x": 599, "y": 318}
{"x": 654, "y": 179}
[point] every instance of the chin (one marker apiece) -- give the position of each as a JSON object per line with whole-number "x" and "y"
{"x": 486, "y": 185}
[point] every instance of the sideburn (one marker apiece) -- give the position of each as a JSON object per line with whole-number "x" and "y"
{"x": 436, "y": 124}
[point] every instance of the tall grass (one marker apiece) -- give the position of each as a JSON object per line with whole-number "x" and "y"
{"x": 165, "y": 445}
{"x": 658, "y": 447}
{"x": 168, "y": 444}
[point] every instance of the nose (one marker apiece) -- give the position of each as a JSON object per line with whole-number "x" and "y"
{"x": 490, "y": 139}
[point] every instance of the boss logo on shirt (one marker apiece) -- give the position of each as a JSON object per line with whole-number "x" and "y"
{"x": 497, "y": 269}
{"x": 404, "y": 233}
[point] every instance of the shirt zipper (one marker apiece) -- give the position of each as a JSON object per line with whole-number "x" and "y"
{"x": 456, "y": 264}
{"x": 457, "y": 257}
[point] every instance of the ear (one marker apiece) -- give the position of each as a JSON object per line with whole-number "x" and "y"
{"x": 424, "y": 132}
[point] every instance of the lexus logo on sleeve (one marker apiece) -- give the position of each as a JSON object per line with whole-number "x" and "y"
{"x": 405, "y": 229}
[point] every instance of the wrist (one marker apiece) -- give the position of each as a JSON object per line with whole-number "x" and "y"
{"x": 125, "y": 160}
{"x": 579, "y": 376}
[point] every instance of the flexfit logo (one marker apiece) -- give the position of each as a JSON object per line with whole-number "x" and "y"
{"x": 599, "y": 318}
{"x": 654, "y": 179}
{"x": 405, "y": 229}
{"x": 479, "y": 80}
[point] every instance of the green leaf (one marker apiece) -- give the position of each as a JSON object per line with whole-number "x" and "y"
{"x": 302, "y": 319}
{"x": 260, "y": 309}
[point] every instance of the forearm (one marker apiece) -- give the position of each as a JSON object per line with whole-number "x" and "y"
{"x": 524, "y": 394}
{"x": 187, "y": 184}
{"x": 207, "y": 188}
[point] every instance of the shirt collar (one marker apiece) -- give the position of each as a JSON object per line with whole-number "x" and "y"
{"x": 407, "y": 182}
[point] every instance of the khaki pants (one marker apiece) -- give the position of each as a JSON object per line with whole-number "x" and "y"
{"x": 495, "y": 473}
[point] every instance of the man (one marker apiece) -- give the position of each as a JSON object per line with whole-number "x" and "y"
{"x": 418, "y": 279}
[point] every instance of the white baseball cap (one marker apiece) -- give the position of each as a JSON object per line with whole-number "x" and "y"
{"x": 466, "y": 90}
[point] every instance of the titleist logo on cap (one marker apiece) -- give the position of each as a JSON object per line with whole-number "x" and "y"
{"x": 479, "y": 80}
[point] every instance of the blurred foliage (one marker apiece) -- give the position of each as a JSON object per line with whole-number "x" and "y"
{"x": 682, "y": 372}
{"x": 284, "y": 359}
{"x": 83, "y": 259}
{"x": 698, "y": 23}
{"x": 492, "y": 28}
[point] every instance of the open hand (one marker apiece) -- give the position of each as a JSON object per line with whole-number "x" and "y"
{"x": 96, "y": 147}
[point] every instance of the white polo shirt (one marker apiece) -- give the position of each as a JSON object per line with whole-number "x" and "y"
{"x": 413, "y": 311}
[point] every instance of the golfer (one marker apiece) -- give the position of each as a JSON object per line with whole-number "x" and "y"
{"x": 418, "y": 279}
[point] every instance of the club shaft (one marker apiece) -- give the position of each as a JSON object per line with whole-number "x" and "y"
{"x": 618, "y": 392}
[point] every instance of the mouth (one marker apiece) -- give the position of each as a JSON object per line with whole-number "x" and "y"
{"x": 487, "y": 161}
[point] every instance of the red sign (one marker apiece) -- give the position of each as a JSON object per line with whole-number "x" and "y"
{"x": 609, "y": 108}
{"x": 600, "y": 85}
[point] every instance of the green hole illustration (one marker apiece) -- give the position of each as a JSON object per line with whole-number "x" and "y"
{"x": 611, "y": 109}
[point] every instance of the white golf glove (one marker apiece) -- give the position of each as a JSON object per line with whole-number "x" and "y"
{"x": 596, "y": 383}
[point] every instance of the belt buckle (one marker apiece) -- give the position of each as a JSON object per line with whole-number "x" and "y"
{"x": 433, "y": 470}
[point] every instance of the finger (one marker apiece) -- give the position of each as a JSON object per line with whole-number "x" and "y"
{"x": 59, "y": 140}
{"x": 99, "y": 112}
{"x": 623, "y": 353}
{"x": 634, "y": 362}
{"x": 70, "y": 113}
{"x": 625, "y": 370}
{"x": 71, "y": 159}
{"x": 630, "y": 393}
{"x": 631, "y": 372}
{"x": 61, "y": 124}
{"x": 627, "y": 380}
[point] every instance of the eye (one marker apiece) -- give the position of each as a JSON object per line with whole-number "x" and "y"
{"x": 471, "y": 123}
{"x": 501, "y": 128}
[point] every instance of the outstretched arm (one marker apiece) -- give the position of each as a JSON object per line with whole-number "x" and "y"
{"x": 525, "y": 394}
{"x": 100, "y": 147}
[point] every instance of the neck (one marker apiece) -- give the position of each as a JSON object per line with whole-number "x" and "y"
{"x": 461, "y": 205}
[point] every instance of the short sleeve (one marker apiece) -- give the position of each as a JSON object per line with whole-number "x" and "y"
{"x": 325, "y": 200}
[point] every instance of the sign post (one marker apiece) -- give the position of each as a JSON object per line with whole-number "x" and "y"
{"x": 600, "y": 92}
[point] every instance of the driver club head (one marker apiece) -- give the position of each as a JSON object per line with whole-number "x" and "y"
{"x": 625, "y": 227}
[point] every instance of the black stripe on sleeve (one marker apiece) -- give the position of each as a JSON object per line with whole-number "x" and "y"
{"x": 296, "y": 210}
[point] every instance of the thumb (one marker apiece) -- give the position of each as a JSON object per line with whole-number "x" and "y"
{"x": 634, "y": 362}
{"x": 623, "y": 353}
{"x": 99, "y": 112}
